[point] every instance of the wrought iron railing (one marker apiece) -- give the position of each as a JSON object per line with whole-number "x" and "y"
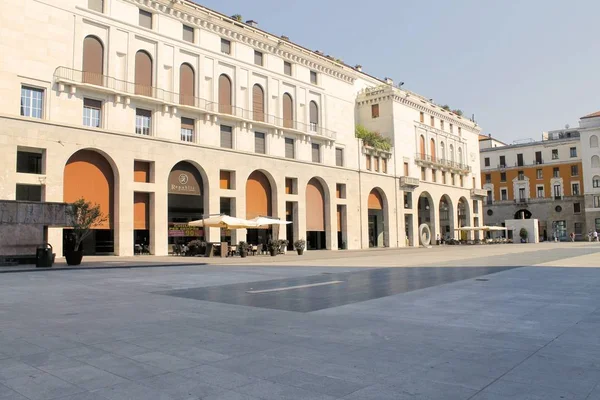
{"x": 69, "y": 75}
{"x": 442, "y": 162}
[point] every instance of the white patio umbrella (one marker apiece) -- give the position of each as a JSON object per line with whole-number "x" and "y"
{"x": 264, "y": 221}
{"x": 224, "y": 221}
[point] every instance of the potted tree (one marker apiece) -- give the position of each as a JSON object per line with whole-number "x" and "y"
{"x": 523, "y": 234}
{"x": 243, "y": 248}
{"x": 83, "y": 217}
{"x": 300, "y": 245}
{"x": 273, "y": 247}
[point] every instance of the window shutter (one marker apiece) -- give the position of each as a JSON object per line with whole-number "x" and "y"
{"x": 339, "y": 157}
{"x": 224, "y": 94}
{"x": 258, "y": 58}
{"x": 289, "y": 148}
{"x": 186, "y": 85}
{"x": 92, "y": 103}
{"x": 225, "y": 46}
{"x": 143, "y": 73}
{"x": 316, "y": 150}
{"x": 96, "y": 5}
{"x": 375, "y": 111}
{"x": 226, "y": 137}
{"x": 258, "y": 103}
{"x": 259, "y": 143}
{"x": 288, "y": 111}
{"x": 188, "y": 34}
{"x": 287, "y": 68}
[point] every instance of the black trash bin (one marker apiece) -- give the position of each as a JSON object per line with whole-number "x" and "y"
{"x": 44, "y": 258}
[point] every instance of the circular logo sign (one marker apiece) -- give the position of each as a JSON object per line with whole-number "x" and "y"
{"x": 183, "y": 179}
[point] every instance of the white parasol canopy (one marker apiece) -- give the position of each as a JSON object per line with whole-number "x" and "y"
{"x": 264, "y": 221}
{"x": 224, "y": 221}
{"x": 495, "y": 228}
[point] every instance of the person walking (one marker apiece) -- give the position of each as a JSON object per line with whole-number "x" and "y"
{"x": 595, "y": 234}
{"x": 572, "y": 236}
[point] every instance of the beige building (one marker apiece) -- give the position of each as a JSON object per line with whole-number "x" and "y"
{"x": 164, "y": 111}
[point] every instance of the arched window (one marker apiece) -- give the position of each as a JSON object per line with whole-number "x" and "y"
{"x": 451, "y": 153}
{"x": 596, "y": 181}
{"x": 443, "y": 150}
{"x": 593, "y": 141}
{"x": 225, "y": 97}
{"x": 258, "y": 103}
{"x": 595, "y": 162}
{"x": 432, "y": 149}
{"x": 460, "y": 155}
{"x": 288, "y": 111}
{"x": 422, "y": 146}
{"x": 186, "y": 85}
{"x": 314, "y": 116}
{"x": 143, "y": 73}
{"x": 93, "y": 60}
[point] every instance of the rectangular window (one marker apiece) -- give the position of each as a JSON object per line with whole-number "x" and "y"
{"x": 287, "y": 68}
{"x": 486, "y": 162}
{"x": 557, "y": 192}
{"x": 556, "y": 172}
{"x": 488, "y": 178}
{"x": 32, "y": 102}
{"x": 226, "y": 137}
{"x": 555, "y": 154}
{"x": 92, "y": 113}
{"x": 259, "y": 143}
{"x": 339, "y": 157}
{"x": 376, "y": 164}
{"x": 576, "y": 207}
{"x": 340, "y": 191}
{"x": 441, "y": 125}
{"x": 539, "y": 174}
{"x": 405, "y": 169}
{"x": 452, "y": 176}
{"x": 225, "y": 179}
{"x": 141, "y": 171}
{"x": 521, "y": 175}
{"x": 573, "y": 151}
{"x": 451, "y": 128}
{"x": 29, "y": 163}
{"x": 422, "y": 117}
{"x": 502, "y": 161}
{"x": 503, "y": 194}
{"x": 313, "y": 77}
{"x": 96, "y": 5}
{"x": 538, "y": 157}
{"x": 368, "y": 162}
{"x": 423, "y": 174}
{"x": 225, "y": 46}
{"x": 187, "y": 130}
{"x": 258, "y": 58}
{"x": 384, "y": 167}
{"x": 290, "y": 151}
{"x": 29, "y": 193}
{"x": 374, "y": 110}
{"x": 475, "y": 206}
{"x": 316, "y": 152}
{"x": 459, "y": 131}
{"x": 596, "y": 182}
{"x": 188, "y": 33}
{"x": 290, "y": 185}
{"x": 521, "y": 194}
{"x": 143, "y": 121}
{"x": 578, "y": 228}
{"x": 520, "y": 160}
{"x": 574, "y": 170}
{"x": 433, "y": 175}
{"x": 575, "y": 189}
{"x": 461, "y": 181}
{"x": 489, "y": 197}
{"x": 432, "y": 121}
{"x": 540, "y": 192}
{"x": 408, "y": 200}
{"x": 145, "y": 19}
{"x": 502, "y": 176}
{"x": 444, "y": 177}
{"x": 597, "y": 205}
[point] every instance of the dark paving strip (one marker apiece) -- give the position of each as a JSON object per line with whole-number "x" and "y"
{"x": 354, "y": 287}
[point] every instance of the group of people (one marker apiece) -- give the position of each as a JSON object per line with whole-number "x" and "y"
{"x": 592, "y": 236}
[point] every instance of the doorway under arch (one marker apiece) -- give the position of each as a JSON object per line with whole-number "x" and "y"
{"x": 376, "y": 218}
{"x": 259, "y": 203}
{"x": 446, "y": 218}
{"x": 464, "y": 217}
{"x": 426, "y": 212}
{"x": 316, "y": 238}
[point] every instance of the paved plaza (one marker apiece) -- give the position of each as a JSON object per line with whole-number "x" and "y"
{"x": 467, "y": 322}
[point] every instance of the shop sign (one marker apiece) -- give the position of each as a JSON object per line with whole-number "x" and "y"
{"x": 184, "y": 230}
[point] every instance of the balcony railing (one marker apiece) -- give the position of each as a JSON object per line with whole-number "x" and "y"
{"x": 426, "y": 158}
{"x": 478, "y": 192}
{"x": 531, "y": 200}
{"x": 109, "y": 84}
{"x": 409, "y": 181}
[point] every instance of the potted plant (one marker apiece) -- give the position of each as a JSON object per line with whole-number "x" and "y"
{"x": 273, "y": 247}
{"x": 195, "y": 248}
{"x": 300, "y": 245}
{"x": 83, "y": 216}
{"x": 523, "y": 234}
{"x": 243, "y": 248}
{"x": 283, "y": 244}
{"x": 343, "y": 245}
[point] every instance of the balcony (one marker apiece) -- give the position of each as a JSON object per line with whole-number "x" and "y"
{"x": 522, "y": 201}
{"x": 409, "y": 181}
{"x": 427, "y": 160}
{"x": 123, "y": 89}
{"x": 478, "y": 192}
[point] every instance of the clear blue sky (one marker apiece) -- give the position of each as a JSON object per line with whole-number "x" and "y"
{"x": 521, "y": 66}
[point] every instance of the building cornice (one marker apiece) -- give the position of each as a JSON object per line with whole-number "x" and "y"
{"x": 204, "y": 18}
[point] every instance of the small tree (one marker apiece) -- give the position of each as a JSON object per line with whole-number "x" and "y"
{"x": 237, "y": 17}
{"x": 84, "y": 216}
{"x": 523, "y": 233}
